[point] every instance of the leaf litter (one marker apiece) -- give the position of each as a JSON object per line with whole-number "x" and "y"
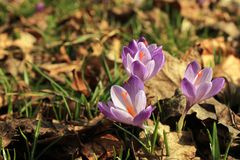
{"x": 70, "y": 50}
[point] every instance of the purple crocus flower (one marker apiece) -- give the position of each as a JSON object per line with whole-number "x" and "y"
{"x": 198, "y": 85}
{"x": 127, "y": 103}
{"x": 141, "y": 59}
{"x": 40, "y": 6}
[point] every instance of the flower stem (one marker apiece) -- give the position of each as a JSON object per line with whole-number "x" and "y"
{"x": 181, "y": 122}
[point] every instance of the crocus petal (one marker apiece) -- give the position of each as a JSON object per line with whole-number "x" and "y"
{"x": 188, "y": 90}
{"x": 142, "y": 116}
{"x": 105, "y": 109}
{"x": 140, "y": 101}
{"x": 139, "y": 70}
{"x": 151, "y": 47}
{"x": 133, "y": 86}
{"x": 125, "y": 52}
{"x": 142, "y": 39}
{"x": 121, "y": 116}
{"x": 217, "y": 85}
{"x": 204, "y": 75}
{"x": 150, "y": 67}
{"x": 120, "y": 97}
{"x": 202, "y": 90}
{"x": 159, "y": 60}
{"x": 133, "y": 46}
{"x": 143, "y": 54}
{"x": 192, "y": 69}
{"x": 128, "y": 64}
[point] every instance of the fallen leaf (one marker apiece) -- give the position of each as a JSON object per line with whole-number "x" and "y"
{"x": 115, "y": 51}
{"x": 5, "y": 41}
{"x": 25, "y": 42}
{"x": 181, "y": 146}
{"x": 63, "y": 56}
{"x": 97, "y": 49}
{"x": 56, "y": 69}
{"x": 78, "y": 84}
{"x": 216, "y": 18}
{"x": 226, "y": 116}
{"x": 102, "y": 147}
{"x": 229, "y": 68}
{"x": 216, "y": 48}
{"x": 164, "y": 84}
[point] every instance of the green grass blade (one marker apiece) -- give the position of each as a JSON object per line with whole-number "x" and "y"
{"x": 36, "y": 134}
{"x": 129, "y": 133}
{"x": 155, "y": 134}
{"x": 166, "y": 143}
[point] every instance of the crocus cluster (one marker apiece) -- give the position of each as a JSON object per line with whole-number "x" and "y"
{"x": 141, "y": 62}
{"x": 128, "y": 102}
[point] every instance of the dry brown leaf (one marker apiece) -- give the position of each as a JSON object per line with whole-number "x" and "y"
{"x": 56, "y": 69}
{"x": 115, "y": 51}
{"x": 229, "y": 68}
{"x": 226, "y": 116}
{"x": 38, "y": 19}
{"x": 97, "y": 49}
{"x": 102, "y": 147}
{"x": 215, "y": 47}
{"x": 25, "y": 42}
{"x": 164, "y": 84}
{"x": 193, "y": 53}
{"x": 78, "y": 84}
{"x": 181, "y": 146}
{"x": 63, "y": 56}
{"x": 203, "y": 16}
{"x": 109, "y": 34}
{"x": 209, "y": 50}
{"x": 5, "y": 41}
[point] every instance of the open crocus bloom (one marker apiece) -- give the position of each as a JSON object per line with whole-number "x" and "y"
{"x": 141, "y": 59}
{"x": 197, "y": 84}
{"x": 128, "y": 103}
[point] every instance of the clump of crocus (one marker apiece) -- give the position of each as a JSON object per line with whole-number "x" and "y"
{"x": 128, "y": 103}
{"x": 141, "y": 59}
{"x": 198, "y": 85}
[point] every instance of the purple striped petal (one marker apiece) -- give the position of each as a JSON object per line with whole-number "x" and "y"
{"x": 204, "y": 75}
{"x": 142, "y": 116}
{"x": 188, "y": 90}
{"x": 143, "y": 54}
{"x": 192, "y": 69}
{"x": 159, "y": 60}
{"x": 150, "y": 67}
{"x": 140, "y": 101}
{"x": 105, "y": 109}
{"x": 202, "y": 90}
{"x": 130, "y": 60}
{"x": 133, "y": 46}
{"x": 138, "y": 69}
{"x": 142, "y": 39}
{"x": 121, "y": 116}
{"x": 133, "y": 86}
{"x": 152, "y": 47}
{"x": 125, "y": 52}
{"x": 217, "y": 85}
{"x": 120, "y": 97}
